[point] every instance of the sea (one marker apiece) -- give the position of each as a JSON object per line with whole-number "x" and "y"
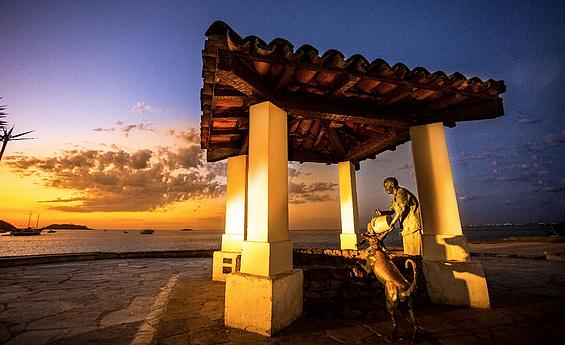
{"x": 82, "y": 241}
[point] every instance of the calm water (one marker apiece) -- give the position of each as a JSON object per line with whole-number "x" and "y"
{"x": 80, "y": 241}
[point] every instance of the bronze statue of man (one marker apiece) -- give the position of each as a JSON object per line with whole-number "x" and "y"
{"x": 405, "y": 209}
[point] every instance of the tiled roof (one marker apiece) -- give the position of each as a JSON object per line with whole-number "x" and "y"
{"x": 339, "y": 109}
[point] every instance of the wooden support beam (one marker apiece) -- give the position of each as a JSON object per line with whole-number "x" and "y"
{"x": 217, "y": 154}
{"x": 413, "y": 83}
{"x": 309, "y": 156}
{"x": 336, "y": 142}
{"x": 286, "y": 76}
{"x": 245, "y": 147}
{"x": 346, "y": 83}
{"x": 347, "y": 132}
{"x": 228, "y": 101}
{"x": 442, "y": 103}
{"x": 397, "y": 94}
{"x": 319, "y": 138}
{"x": 464, "y": 112}
{"x": 230, "y": 71}
{"x": 349, "y": 118}
{"x": 371, "y": 146}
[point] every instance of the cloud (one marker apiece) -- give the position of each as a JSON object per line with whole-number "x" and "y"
{"x": 555, "y": 138}
{"x": 115, "y": 181}
{"x": 464, "y": 158}
{"x": 191, "y": 136}
{"x": 141, "y": 107}
{"x": 466, "y": 198}
{"x": 406, "y": 166}
{"x": 143, "y": 125}
{"x": 301, "y": 192}
{"x": 527, "y": 119}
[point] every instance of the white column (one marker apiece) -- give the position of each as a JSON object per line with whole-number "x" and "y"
{"x": 451, "y": 277}
{"x": 266, "y": 295}
{"x": 348, "y": 205}
{"x": 236, "y": 204}
{"x": 228, "y": 259}
{"x": 268, "y": 250}
{"x": 438, "y": 202}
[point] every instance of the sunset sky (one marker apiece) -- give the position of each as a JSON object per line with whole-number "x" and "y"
{"x": 112, "y": 92}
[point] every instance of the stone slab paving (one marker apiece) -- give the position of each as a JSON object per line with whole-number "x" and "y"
{"x": 527, "y": 296}
{"x": 94, "y": 302}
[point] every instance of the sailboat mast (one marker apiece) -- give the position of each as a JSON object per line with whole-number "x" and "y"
{"x": 37, "y": 223}
{"x": 29, "y": 219}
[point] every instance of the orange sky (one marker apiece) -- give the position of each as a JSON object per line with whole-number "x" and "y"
{"x": 145, "y": 177}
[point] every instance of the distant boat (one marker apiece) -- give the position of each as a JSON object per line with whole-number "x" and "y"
{"x": 125, "y": 232}
{"x": 51, "y": 231}
{"x": 147, "y": 232}
{"x": 187, "y": 229}
{"x": 27, "y": 231}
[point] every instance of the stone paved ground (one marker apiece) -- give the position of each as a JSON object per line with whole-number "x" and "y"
{"x": 108, "y": 302}
{"x": 89, "y": 302}
{"x": 527, "y": 296}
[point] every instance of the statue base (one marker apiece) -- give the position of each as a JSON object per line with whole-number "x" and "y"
{"x": 457, "y": 283}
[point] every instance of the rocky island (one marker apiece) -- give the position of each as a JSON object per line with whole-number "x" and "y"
{"x": 5, "y": 226}
{"x": 67, "y": 227}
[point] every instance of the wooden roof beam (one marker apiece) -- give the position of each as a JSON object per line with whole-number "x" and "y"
{"x": 346, "y": 83}
{"x": 230, "y": 71}
{"x": 336, "y": 142}
{"x": 309, "y": 156}
{"x": 343, "y": 118}
{"x": 391, "y": 80}
{"x": 464, "y": 112}
{"x": 214, "y": 154}
{"x": 372, "y": 146}
{"x": 285, "y": 77}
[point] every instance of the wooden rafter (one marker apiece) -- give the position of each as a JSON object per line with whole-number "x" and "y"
{"x": 336, "y": 142}
{"x": 285, "y": 77}
{"x": 376, "y": 144}
{"x": 413, "y": 83}
{"x": 347, "y": 81}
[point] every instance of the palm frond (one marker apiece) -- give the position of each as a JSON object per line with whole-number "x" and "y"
{"x": 21, "y": 134}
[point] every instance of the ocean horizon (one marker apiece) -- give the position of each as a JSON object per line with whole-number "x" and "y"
{"x": 131, "y": 240}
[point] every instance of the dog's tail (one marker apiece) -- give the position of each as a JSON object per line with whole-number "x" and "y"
{"x": 407, "y": 292}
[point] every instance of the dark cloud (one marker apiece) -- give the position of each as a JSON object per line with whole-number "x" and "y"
{"x": 191, "y": 136}
{"x": 113, "y": 181}
{"x": 300, "y": 192}
{"x": 527, "y": 119}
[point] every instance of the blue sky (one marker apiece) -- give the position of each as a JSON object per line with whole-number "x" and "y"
{"x": 68, "y": 68}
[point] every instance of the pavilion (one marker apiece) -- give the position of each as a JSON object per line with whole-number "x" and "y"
{"x": 264, "y": 105}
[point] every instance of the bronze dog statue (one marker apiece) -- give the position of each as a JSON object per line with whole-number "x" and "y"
{"x": 397, "y": 288}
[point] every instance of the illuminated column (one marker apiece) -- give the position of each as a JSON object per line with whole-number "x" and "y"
{"x": 266, "y": 295}
{"x": 348, "y": 205}
{"x": 451, "y": 277}
{"x": 228, "y": 259}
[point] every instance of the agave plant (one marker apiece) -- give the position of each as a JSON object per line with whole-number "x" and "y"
{"x": 6, "y": 134}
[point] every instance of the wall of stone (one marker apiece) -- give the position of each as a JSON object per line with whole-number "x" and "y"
{"x": 331, "y": 289}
